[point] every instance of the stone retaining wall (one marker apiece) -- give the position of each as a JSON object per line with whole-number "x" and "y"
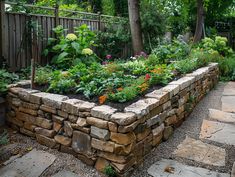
{"x": 100, "y": 135}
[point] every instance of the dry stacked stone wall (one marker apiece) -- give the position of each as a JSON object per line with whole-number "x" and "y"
{"x": 99, "y": 135}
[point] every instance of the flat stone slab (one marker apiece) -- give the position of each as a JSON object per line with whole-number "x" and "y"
{"x": 228, "y": 103}
{"x": 32, "y": 164}
{"x": 218, "y": 132}
{"x": 201, "y": 152}
{"x": 65, "y": 173}
{"x": 221, "y": 116}
{"x": 171, "y": 168}
{"x": 229, "y": 89}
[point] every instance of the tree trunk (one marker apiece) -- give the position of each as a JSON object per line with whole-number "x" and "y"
{"x": 134, "y": 18}
{"x": 200, "y": 22}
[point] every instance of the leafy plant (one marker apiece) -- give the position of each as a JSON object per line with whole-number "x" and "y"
{"x": 60, "y": 82}
{"x": 170, "y": 51}
{"x": 109, "y": 171}
{"x": 114, "y": 38}
{"x": 227, "y": 68}
{"x": 218, "y": 44}
{"x": 72, "y": 49}
{"x": 6, "y": 78}
{"x": 43, "y": 75}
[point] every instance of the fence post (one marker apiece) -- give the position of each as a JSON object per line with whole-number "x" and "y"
{"x": 57, "y": 22}
{"x": 2, "y": 13}
{"x": 99, "y": 23}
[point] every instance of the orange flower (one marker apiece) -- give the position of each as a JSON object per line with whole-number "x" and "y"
{"x": 120, "y": 89}
{"x": 157, "y": 71}
{"x": 143, "y": 87}
{"x": 102, "y": 99}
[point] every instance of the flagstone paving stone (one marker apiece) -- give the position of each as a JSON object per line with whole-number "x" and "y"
{"x": 229, "y": 89}
{"x": 218, "y": 132}
{"x": 221, "y": 116}
{"x": 201, "y": 152}
{"x": 228, "y": 103}
{"x": 65, "y": 173}
{"x": 171, "y": 168}
{"x": 32, "y": 164}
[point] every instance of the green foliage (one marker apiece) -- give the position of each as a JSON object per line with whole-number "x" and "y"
{"x": 60, "y": 82}
{"x": 72, "y": 49}
{"x": 127, "y": 94}
{"x": 218, "y": 44}
{"x": 6, "y": 79}
{"x": 170, "y": 51}
{"x": 161, "y": 74}
{"x": 4, "y": 138}
{"x": 186, "y": 66}
{"x": 110, "y": 171}
{"x": 152, "y": 31}
{"x": 43, "y": 75}
{"x": 198, "y": 58}
{"x": 136, "y": 67}
{"x": 114, "y": 38}
{"x": 227, "y": 68}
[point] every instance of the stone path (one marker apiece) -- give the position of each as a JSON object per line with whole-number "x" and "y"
{"x": 171, "y": 168}
{"x": 65, "y": 173}
{"x": 216, "y": 132}
{"x": 202, "y": 152}
{"x": 32, "y": 164}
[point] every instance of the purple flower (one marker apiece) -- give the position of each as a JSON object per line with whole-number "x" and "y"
{"x": 104, "y": 63}
{"x": 108, "y": 57}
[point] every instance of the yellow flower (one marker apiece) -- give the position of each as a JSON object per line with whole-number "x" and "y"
{"x": 87, "y": 51}
{"x": 71, "y": 37}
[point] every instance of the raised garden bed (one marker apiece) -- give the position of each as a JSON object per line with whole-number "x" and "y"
{"x": 100, "y": 135}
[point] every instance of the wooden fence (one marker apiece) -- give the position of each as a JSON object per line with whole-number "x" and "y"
{"x": 17, "y": 51}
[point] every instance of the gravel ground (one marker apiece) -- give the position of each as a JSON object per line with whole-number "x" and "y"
{"x": 191, "y": 127}
{"x": 20, "y": 144}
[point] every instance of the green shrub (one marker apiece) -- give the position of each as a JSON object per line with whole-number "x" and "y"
{"x": 72, "y": 49}
{"x": 227, "y": 68}
{"x": 61, "y": 82}
{"x": 42, "y": 75}
{"x": 114, "y": 38}
{"x": 218, "y": 44}
{"x": 6, "y": 79}
{"x": 171, "y": 51}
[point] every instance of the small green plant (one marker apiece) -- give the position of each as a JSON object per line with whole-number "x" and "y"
{"x": 110, "y": 171}
{"x": 4, "y": 138}
{"x": 6, "y": 78}
{"x": 61, "y": 82}
{"x": 43, "y": 75}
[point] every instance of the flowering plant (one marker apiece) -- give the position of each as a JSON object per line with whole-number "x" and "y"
{"x": 71, "y": 37}
{"x": 73, "y": 48}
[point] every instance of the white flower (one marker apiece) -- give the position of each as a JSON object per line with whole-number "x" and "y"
{"x": 87, "y": 51}
{"x": 71, "y": 37}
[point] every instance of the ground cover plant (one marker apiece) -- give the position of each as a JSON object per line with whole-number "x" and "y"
{"x": 5, "y": 79}
{"x": 76, "y": 69}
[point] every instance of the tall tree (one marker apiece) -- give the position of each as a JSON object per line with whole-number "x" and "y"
{"x": 135, "y": 24}
{"x": 200, "y": 22}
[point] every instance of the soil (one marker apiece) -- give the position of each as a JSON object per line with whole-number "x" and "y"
{"x": 118, "y": 106}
